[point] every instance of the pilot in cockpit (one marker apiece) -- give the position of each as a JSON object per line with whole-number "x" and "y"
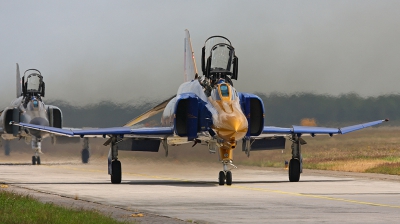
{"x": 33, "y": 87}
{"x": 35, "y": 103}
{"x": 223, "y": 91}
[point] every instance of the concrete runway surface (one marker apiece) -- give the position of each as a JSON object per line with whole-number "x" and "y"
{"x": 175, "y": 192}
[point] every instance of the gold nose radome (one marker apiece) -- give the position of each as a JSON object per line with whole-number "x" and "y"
{"x": 233, "y": 127}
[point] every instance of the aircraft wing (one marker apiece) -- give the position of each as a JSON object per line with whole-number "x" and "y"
{"x": 318, "y": 130}
{"x": 153, "y": 131}
{"x": 167, "y": 131}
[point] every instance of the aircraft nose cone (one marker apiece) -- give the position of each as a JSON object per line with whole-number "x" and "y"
{"x": 233, "y": 127}
{"x": 38, "y": 121}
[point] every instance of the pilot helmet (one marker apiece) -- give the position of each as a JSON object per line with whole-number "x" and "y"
{"x": 35, "y": 102}
{"x": 220, "y": 81}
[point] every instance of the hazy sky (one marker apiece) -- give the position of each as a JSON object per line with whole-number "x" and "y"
{"x": 130, "y": 51}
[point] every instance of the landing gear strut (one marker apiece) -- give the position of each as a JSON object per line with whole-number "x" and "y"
{"x": 226, "y": 155}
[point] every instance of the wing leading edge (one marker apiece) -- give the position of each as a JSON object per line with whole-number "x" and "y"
{"x": 318, "y": 130}
{"x": 163, "y": 131}
{"x": 154, "y": 131}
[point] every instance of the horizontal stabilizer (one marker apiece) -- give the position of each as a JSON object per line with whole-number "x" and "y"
{"x": 155, "y": 110}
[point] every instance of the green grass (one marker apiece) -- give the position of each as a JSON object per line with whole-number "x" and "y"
{"x": 15, "y": 208}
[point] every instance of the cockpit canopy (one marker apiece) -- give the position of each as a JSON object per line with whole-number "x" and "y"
{"x": 32, "y": 83}
{"x": 218, "y": 59}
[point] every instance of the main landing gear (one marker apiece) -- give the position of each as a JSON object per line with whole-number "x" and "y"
{"x": 296, "y": 163}
{"x": 116, "y": 172}
{"x": 294, "y": 170}
{"x": 114, "y": 165}
{"x": 85, "y": 151}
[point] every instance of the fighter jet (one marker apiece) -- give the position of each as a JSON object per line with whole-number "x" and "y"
{"x": 29, "y": 108}
{"x": 210, "y": 110}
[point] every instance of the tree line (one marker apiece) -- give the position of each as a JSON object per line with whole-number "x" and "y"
{"x": 280, "y": 110}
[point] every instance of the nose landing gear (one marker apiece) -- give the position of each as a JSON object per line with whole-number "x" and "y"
{"x": 36, "y": 160}
{"x": 226, "y": 156}
{"x": 37, "y": 146}
{"x": 225, "y": 176}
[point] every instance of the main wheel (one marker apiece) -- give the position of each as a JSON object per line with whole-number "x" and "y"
{"x": 33, "y": 160}
{"x": 85, "y": 155}
{"x": 116, "y": 175}
{"x": 294, "y": 170}
{"x": 229, "y": 178}
{"x": 38, "y": 160}
{"x": 221, "y": 178}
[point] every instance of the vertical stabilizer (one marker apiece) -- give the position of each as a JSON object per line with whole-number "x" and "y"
{"x": 19, "y": 87}
{"x": 190, "y": 69}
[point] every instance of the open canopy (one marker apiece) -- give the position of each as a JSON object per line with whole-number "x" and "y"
{"x": 33, "y": 82}
{"x": 218, "y": 56}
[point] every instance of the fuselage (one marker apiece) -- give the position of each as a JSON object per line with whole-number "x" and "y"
{"x": 228, "y": 120}
{"x": 32, "y": 111}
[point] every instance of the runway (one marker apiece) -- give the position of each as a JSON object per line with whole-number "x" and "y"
{"x": 190, "y": 192}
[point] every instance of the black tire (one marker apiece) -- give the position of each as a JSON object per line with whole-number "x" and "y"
{"x": 33, "y": 160}
{"x": 294, "y": 170}
{"x": 38, "y": 160}
{"x": 229, "y": 178}
{"x": 116, "y": 171}
{"x": 85, "y": 155}
{"x": 221, "y": 178}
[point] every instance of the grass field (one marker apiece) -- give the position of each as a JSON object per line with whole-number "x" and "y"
{"x": 15, "y": 208}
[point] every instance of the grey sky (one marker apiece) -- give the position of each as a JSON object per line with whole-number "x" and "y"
{"x": 133, "y": 50}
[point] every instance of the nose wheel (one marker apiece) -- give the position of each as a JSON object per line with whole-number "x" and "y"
{"x": 35, "y": 160}
{"x": 225, "y": 176}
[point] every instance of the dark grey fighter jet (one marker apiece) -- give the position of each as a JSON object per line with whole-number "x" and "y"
{"x": 29, "y": 107}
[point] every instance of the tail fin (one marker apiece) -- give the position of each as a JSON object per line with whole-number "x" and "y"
{"x": 190, "y": 69}
{"x": 19, "y": 86}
